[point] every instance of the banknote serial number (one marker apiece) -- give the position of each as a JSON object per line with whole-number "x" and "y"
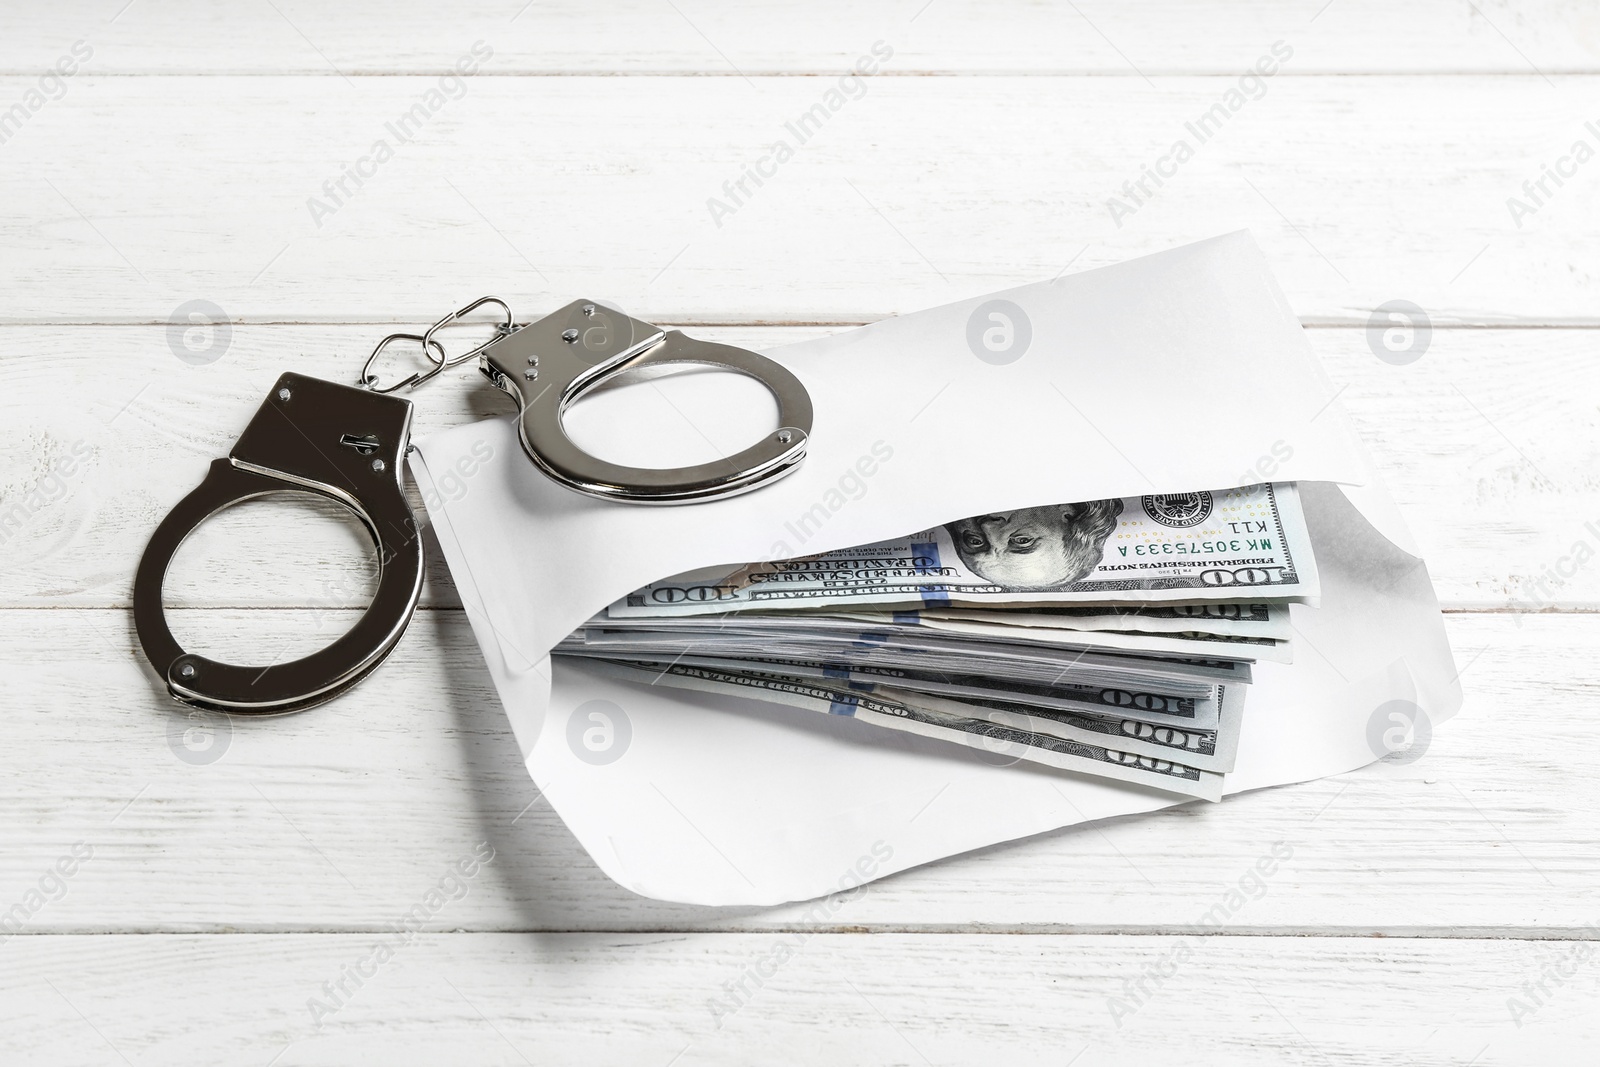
{"x": 1197, "y": 548}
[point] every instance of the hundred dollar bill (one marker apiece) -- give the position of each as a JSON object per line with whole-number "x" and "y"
{"x": 1180, "y": 643}
{"x": 1207, "y": 750}
{"x": 1098, "y": 760}
{"x": 1249, "y": 542}
{"x": 693, "y": 630}
{"x": 977, "y": 624}
{"x": 923, "y": 650}
{"x": 1224, "y": 619}
{"x": 1143, "y": 706}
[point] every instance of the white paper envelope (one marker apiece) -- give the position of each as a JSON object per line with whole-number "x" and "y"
{"x": 1177, "y": 372}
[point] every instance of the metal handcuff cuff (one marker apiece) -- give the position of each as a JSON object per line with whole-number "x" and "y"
{"x": 346, "y": 443}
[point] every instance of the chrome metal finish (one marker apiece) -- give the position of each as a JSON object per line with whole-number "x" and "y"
{"x": 434, "y": 350}
{"x": 369, "y": 380}
{"x": 310, "y": 435}
{"x": 501, "y": 329}
{"x": 345, "y": 443}
{"x": 584, "y": 345}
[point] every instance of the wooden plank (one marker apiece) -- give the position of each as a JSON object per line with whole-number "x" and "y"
{"x": 919, "y": 191}
{"x": 1093, "y": 36}
{"x": 340, "y": 817}
{"x": 1475, "y": 440}
{"x": 834, "y": 998}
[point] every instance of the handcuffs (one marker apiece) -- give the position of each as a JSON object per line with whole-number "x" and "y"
{"x": 347, "y": 442}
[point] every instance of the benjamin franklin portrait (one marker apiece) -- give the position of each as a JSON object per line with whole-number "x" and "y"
{"x": 1036, "y": 548}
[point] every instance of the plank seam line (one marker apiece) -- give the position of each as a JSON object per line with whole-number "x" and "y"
{"x": 902, "y": 73}
{"x": 668, "y": 320}
{"x": 1574, "y": 934}
{"x": 1560, "y": 612}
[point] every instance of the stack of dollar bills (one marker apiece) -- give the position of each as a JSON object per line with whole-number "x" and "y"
{"x": 1111, "y": 637}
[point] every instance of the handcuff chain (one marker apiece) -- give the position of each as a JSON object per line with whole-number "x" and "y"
{"x": 442, "y": 361}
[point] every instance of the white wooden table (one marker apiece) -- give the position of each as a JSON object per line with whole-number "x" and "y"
{"x": 1442, "y": 911}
